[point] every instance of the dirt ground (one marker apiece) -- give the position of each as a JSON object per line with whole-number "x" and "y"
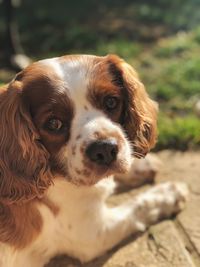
{"x": 170, "y": 243}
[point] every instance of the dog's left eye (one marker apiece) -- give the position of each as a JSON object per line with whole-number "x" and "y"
{"x": 54, "y": 125}
{"x": 110, "y": 103}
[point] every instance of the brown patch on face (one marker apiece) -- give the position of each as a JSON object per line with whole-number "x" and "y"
{"x": 85, "y": 107}
{"x": 19, "y": 224}
{"x": 46, "y": 98}
{"x": 139, "y": 115}
{"x": 24, "y": 162}
{"x": 101, "y": 86}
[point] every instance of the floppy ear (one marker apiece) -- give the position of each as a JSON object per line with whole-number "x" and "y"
{"x": 140, "y": 112}
{"x": 24, "y": 172}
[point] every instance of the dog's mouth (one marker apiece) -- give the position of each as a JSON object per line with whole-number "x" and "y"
{"x": 93, "y": 174}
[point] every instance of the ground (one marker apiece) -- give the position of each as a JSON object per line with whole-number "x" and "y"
{"x": 170, "y": 243}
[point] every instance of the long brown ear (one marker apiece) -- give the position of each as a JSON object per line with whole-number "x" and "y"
{"x": 140, "y": 112}
{"x": 24, "y": 172}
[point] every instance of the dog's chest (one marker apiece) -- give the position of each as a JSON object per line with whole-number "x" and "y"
{"x": 73, "y": 218}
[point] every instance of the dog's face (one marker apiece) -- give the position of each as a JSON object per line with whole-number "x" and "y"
{"x": 84, "y": 117}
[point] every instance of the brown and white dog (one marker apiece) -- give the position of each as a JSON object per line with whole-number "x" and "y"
{"x": 67, "y": 124}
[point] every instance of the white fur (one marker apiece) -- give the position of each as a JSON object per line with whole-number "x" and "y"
{"x": 86, "y": 227}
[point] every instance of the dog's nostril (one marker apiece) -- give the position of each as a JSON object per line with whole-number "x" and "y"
{"x": 102, "y": 152}
{"x": 99, "y": 156}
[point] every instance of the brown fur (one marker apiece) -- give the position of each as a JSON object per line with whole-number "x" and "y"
{"x": 137, "y": 113}
{"x": 140, "y": 112}
{"x": 24, "y": 172}
{"x": 19, "y": 224}
{"x": 24, "y": 161}
{"x": 43, "y": 100}
{"x": 102, "y": 86}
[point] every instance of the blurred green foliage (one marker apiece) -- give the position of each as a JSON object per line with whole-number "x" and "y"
{"x": 50, "y": 27}
{"x": 171, "y": 69}
{"x": 161, "y": 38}
{"x": 178, "y": 133}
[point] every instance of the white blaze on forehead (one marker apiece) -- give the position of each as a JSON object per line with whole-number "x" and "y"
{"x": 75, "y": 74}
{"x": 54, "y": 63}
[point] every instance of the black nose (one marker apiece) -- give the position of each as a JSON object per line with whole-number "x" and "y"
{"x": 102, "y": 152}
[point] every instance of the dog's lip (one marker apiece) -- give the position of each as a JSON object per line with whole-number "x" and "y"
{"x": 111, "y": 169}
{"x": 94, "y": 178}
{"x": 99, "y": 172}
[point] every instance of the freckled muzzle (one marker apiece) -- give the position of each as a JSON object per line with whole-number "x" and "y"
{"x": 99, "y": 148}
{"x": 102, "y": 152}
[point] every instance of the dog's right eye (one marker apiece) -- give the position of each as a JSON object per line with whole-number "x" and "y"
{"x": 111, "y": 103}
{"x": 53, "y": 125}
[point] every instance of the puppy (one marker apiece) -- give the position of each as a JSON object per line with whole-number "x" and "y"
{"x": 68, "y": 125}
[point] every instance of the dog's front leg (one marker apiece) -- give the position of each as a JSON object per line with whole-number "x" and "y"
{"x": 134, "y": 216}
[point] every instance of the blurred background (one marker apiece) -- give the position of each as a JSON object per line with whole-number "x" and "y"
{"x": 160, "y": 38}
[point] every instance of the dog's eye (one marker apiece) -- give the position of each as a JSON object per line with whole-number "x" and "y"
{"x": 111, "y": 103}
{"x": 54, "y": 125}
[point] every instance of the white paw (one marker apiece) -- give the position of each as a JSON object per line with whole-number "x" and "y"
{"x": 163, "y": 201}
{"x": 171, "y": 197}
{"x": 180, "y": 191}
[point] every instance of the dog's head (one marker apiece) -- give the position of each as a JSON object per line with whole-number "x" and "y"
{"x": 82, "y": 117}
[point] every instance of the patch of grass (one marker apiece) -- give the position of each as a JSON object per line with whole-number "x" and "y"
{"x": 178, "y": 132}
{"x": 172, "y": 68}
{"x": 6, "y": 76}
{"x": 197, "y": 34}
{"x": 174, "y": 46}
{"x": 171, "y": 71}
